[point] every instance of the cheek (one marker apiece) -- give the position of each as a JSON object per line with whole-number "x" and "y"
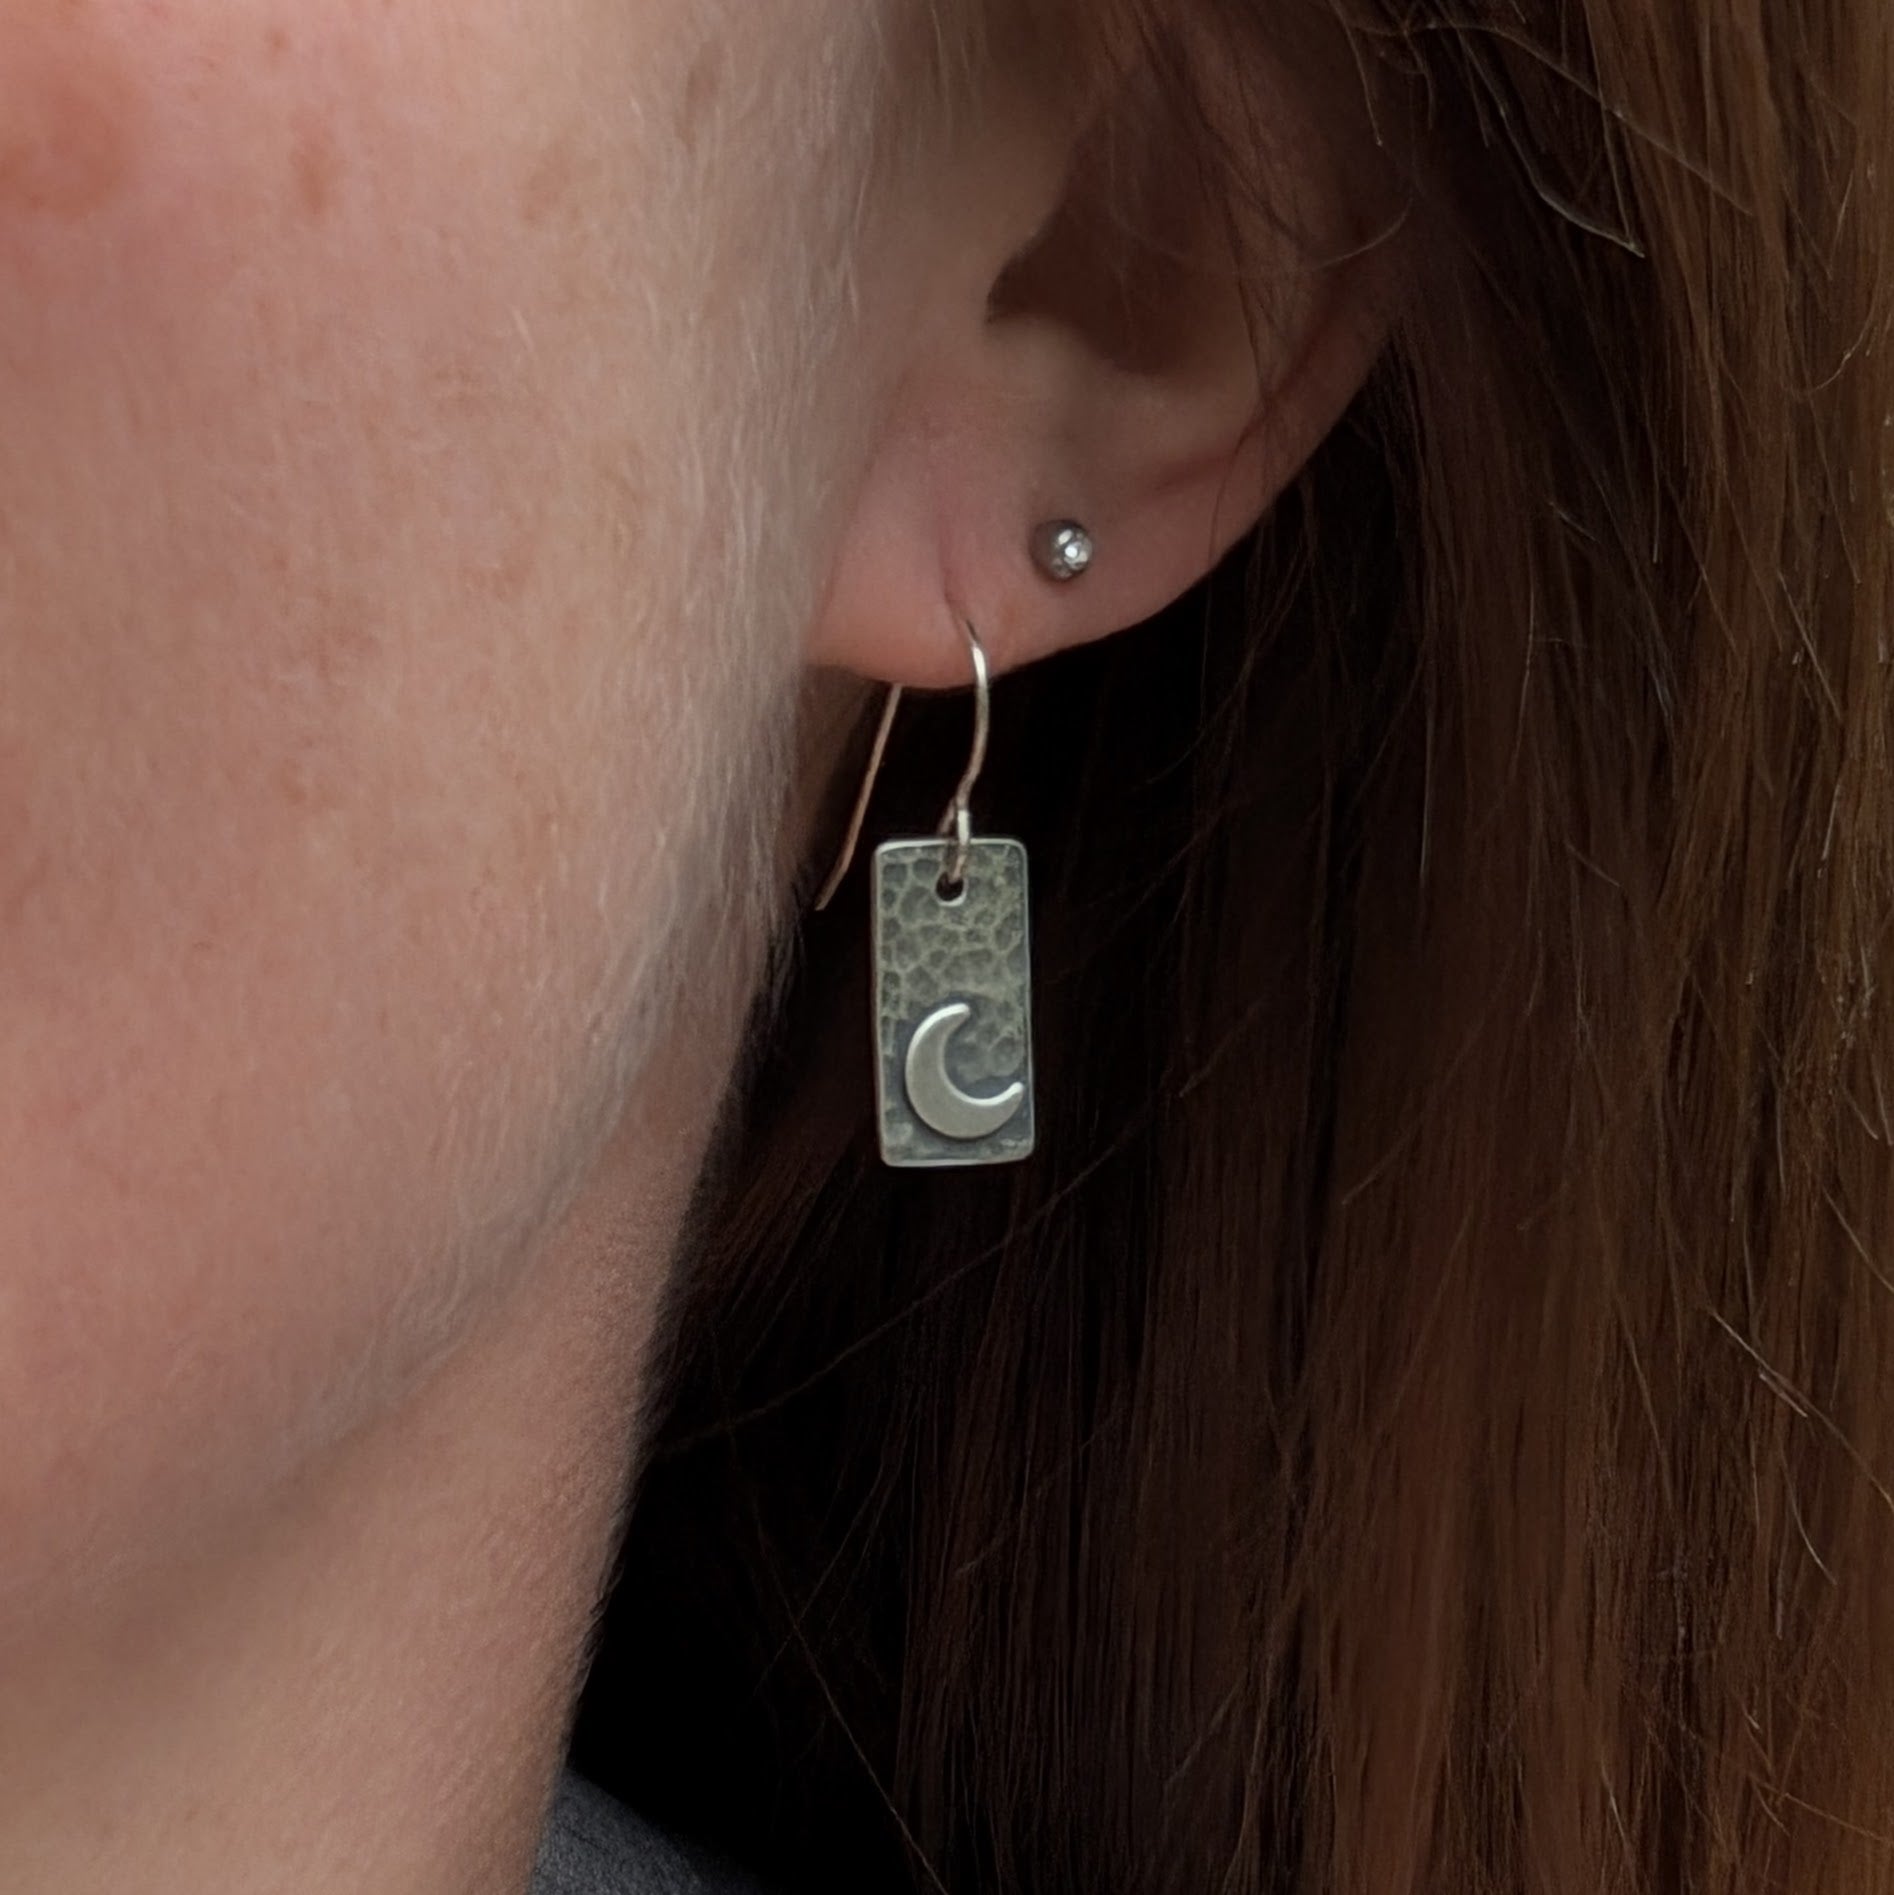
{"x": 327, "y": 742}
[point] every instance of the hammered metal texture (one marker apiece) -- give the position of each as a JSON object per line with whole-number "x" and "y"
{"x": 930, "y": 953}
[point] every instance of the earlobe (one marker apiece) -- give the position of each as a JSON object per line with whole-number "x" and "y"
{"x": 1137, "y": 371}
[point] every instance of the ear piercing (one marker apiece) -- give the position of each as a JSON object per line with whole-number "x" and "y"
{"x": 1062, "y": 550}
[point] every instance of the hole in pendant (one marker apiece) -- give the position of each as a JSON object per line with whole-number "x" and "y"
{"x": 951, "y": 894}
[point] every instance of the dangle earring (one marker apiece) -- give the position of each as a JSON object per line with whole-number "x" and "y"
{"x": 953, "y": 975}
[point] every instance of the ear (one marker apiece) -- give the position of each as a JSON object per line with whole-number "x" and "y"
{"x": 1156, "y": 364}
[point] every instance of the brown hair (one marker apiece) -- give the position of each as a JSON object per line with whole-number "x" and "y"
{"x": 1425, "y": 1420}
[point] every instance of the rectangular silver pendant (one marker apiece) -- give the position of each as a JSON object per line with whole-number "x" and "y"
{"x": 953, "y": 1005}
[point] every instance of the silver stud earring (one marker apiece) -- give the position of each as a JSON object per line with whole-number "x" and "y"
{"x": 953, "y": 974}
{"x": 1062, "y": 550}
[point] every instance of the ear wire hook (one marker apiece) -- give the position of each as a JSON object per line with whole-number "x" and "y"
{"x": 958, "y": 821}
{"x": 839, "y": 873}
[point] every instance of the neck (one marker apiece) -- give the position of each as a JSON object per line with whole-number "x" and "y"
{"x": 367, "y": 1689}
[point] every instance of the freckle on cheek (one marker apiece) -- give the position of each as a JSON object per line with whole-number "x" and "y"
{"x": 550, "y": 186}
{"x": 66, "y": 113}
{"x": 701, "y": 87}
{"x": 315, "y": 167}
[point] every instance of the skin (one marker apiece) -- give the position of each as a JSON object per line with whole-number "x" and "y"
{"x": 374, "y": 704}
{"x": 432, "y": 457}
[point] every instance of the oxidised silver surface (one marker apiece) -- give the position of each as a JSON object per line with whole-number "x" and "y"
{"x": 932, "y": 957}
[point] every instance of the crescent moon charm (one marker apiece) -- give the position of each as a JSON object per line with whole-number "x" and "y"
{"x": 940, "y": 1104}
{"x": 944, "y": 962}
